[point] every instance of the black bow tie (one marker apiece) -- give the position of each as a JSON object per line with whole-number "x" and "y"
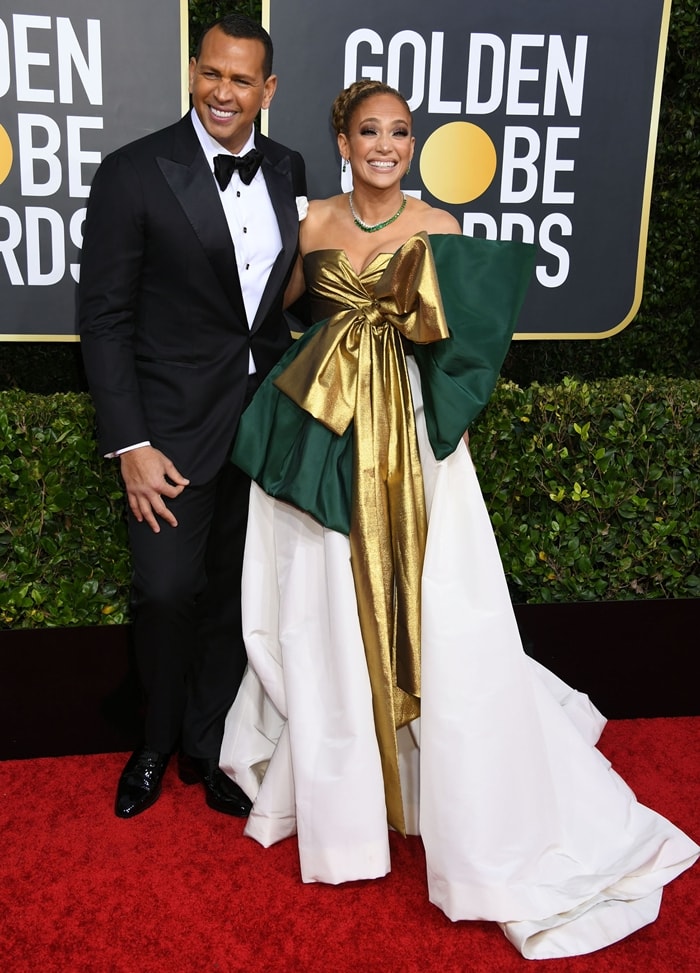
{"x": 247, "y": 165}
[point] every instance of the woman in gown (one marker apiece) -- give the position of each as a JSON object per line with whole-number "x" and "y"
{"x": 387, "y": 685}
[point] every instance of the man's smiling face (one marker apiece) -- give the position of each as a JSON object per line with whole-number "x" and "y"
{"x": 228, "y": 86}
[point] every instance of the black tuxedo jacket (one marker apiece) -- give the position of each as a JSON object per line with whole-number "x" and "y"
{"x": 162, "y": 323}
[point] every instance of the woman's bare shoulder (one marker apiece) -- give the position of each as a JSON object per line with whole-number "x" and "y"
{"x": 324, "y": 209}
{"x": 430, "y": 219}
{"x": 440, "y": 221}
{"x": 322, "y": 214}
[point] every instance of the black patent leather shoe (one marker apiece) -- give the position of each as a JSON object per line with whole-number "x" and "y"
{"x": 140, "y": 783}
{"x": 221, "y": 793}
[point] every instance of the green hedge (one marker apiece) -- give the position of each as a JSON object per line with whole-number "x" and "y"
{"x": 593, "y": 491}
{"x": 63, "y": 546}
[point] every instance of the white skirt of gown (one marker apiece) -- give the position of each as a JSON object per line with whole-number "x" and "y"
{"x": 523, "y": 821}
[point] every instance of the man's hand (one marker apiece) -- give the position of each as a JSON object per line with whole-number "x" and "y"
{"x": 148, "y": 477}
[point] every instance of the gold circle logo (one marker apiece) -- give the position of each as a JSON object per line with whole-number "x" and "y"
{"x": 5, "y": 154}
{"x": 458, "y": 162}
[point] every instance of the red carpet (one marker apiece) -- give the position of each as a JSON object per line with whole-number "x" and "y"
{"x": 179, "y": 889}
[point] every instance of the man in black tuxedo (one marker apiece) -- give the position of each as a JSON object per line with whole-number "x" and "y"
{"x": 190, "y": 238}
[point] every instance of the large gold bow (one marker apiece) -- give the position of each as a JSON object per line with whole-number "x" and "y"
{"x": 354, "y": 368}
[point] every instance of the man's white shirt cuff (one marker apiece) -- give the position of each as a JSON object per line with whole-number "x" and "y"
{"x": 127, "y": 449}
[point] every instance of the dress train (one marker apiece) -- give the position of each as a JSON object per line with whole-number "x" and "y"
{"x": 523, "y": 821}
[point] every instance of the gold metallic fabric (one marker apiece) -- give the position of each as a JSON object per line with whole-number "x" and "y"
{"x": 354, "y": 370}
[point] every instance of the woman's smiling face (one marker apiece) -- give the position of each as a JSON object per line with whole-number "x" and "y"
{"x": 378, "y": 143}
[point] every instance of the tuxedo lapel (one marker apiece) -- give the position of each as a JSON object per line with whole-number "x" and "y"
{"x": 278, "y": 178}
{"x": 190, "y": 179}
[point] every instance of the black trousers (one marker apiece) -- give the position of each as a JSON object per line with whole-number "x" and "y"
{"x": 186, "y": 600}
{"x": 186, "y": 597}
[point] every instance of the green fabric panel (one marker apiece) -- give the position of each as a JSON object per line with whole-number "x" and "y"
{"x": 296, "y": 459}
{"x": 292, "y": 456}
{"x": 483, "y": 285}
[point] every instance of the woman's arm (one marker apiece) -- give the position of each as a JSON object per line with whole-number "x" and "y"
{"x": 296, "y": 285}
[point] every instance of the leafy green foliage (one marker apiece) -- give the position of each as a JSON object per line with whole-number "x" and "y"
{"x": 594, "y": 489}
{"x": 63, "y": 545}
{"x": 592, "y": 486}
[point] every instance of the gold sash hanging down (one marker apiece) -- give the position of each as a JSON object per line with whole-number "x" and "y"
{"x": 355, "y": 368}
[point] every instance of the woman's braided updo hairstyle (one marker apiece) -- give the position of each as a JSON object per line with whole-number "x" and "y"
{"x": 352, "y": 96}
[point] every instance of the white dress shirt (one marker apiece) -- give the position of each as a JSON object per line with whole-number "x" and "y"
{"x": 251, "y": 221}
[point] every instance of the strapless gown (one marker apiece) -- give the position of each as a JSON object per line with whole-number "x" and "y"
{"x": 523, "y": 820}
